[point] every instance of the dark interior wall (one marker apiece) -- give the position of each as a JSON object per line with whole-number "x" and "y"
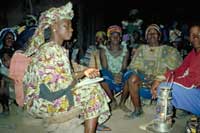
{"x": 13, "y": 11}
{"x": 106, "y": 12}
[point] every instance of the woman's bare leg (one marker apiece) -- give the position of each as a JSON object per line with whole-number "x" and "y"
{"x": 110, "y": 94}
{"x": 90, "y": 125}
{"x": 134, "y": 82}
{"x": 105, "y": 86}
{"x": 124, "y": 97}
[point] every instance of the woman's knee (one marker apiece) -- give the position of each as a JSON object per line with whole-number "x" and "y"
{"x": 133, "y": 83}
{"x": 134, "y": 79}
{"x": 104, "y": 85}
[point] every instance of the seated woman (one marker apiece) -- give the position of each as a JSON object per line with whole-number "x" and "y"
{"x": 7, "y": 40}
{"x": 186, "y": 78}
{"x": 92, "y": 51}
{"x": 114, "y": 60}
{"x": 150, "y": 60}
{"x": 101, "y": 39}
{"x": 50, "y": 71}
{"x": 5, "y": 82}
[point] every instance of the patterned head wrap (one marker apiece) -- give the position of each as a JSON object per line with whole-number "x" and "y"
{"x": 47, "y": 18}
{"x": 30, "y": 19}
{"x": 4, "y": 32}
{"x": 100, "y": 34}
{"x": 152, "y": 26}
{"x": 114, "y": 28}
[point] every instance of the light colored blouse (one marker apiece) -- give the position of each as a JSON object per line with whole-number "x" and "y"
{"x": 115, "y": 63}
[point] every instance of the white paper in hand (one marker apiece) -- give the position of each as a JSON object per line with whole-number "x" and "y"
{"x": 87, "y": 81}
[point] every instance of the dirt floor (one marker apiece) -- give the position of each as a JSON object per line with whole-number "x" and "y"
{"x": 16, "y": 123}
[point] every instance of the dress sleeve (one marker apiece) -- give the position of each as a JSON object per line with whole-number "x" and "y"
{"x": 172, "y": 58}
{"x": 137, "y": 60}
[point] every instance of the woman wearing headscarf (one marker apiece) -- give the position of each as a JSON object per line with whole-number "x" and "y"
{"x": 7, "y": 40}
{"x": 149, "y": 61}
{"x": 92, "y": 50}
{"x": 114, "y": 62}
{"x": 95, "y": 52}
{"x": 50, "y": 72}
{"x": 24, "y": 37}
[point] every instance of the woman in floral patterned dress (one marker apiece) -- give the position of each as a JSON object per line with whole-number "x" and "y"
{"x": 50, "y": 70}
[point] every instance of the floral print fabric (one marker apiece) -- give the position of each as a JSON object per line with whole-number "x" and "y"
{"x": 50, "y": 66}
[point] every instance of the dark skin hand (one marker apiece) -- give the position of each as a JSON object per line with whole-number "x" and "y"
{"x": 154, "y": 88}
{"x": 90, "y": 73}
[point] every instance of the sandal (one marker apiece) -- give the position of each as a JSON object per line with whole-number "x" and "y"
{"x": 135, "y": 114}
{"x": 103, "y": 128}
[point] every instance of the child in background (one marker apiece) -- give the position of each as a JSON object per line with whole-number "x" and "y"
{"x": 5, "y": 82}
